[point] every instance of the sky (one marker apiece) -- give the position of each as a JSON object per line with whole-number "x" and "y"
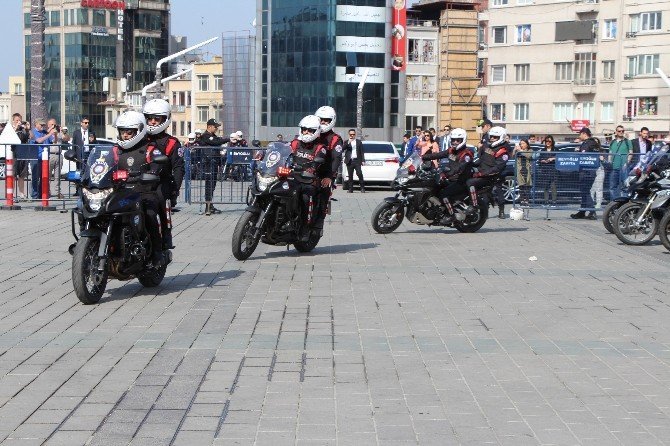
{"x": 198, "y": 20}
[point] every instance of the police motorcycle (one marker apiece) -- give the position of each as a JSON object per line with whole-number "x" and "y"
{"x": 418, "y": 199}
{"x": 113, "y": 241}
{"x": 637, "y": 221}
{"x": 274, "y": 214}
{"x": 631, "y": 191}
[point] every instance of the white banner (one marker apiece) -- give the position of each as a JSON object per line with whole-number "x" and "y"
{"x": 375, "y": 75}
{"x": 361, "y": 44}
{"x": 370, "y": 14}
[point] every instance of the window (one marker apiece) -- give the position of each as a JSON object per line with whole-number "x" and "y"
{"x": 18, "y": 89}
{"x": 647, "y": 106}
{"x": 218, "y": 82}
{"x": 81, "y": 17}
{"x": 521, "y": 112}
{"x": 642, "y": 64}
{"x": 182, "y": 128}
{"x": 585, "y": 69}
{"x": 524, "y": 2}
{"x": 499, "y": 2}
{"x": 607, "y": 111}
{"x": 609, "y": 30}
{"x": 203, "y": 113}
{"x": 203, "y": 82}
{"x": 498, "y": 112}
{"x": 523, "y": 34}
{"x": 99, "y": 17}
{"x": 421, "y": 87}
{"x": 55, "y": 18}
{"x": 563, "y": 71}
{"x": 499, "y": 34}
{"x": 424, "y": 121}
{"x": 563, "y": 111}
{"x": 646, "y": 21}
{"x": 497, "y": 73}
{"x": 422, "y": 51}
{"x": 608, "y": 70}
{"x": 587, "y": 110}
{"x": 522, "y": 72}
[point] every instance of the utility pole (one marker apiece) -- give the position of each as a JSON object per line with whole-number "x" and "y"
{"x": 359, "y": 104}
{"x": 38, "y": 107}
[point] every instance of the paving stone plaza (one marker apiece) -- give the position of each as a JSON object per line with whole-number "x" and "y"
{"x": 424, "y": 336}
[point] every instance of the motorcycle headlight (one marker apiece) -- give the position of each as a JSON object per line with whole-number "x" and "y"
{"x": 264, "y": 182}
{"x": 94, "y": 199}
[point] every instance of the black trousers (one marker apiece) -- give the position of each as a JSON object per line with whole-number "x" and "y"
{"x": 480, "y": 182}
{"x": 355, "y": 164}
{"x": 152, "y": 212}
{"x": 211, "y": 171}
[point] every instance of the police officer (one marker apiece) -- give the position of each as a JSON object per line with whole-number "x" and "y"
{"x": 157, "y": 112}
{"x": 457, "y": 171}
{"x": 133, "y": 153}
{"x": 334, "y": 145}
{"x": 211, "y": 161}
{"x": 306, "y": 148}
{"x": 493, "y": 156}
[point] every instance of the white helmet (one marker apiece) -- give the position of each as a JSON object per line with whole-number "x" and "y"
{"x": 131, "y": 120}
{"x": 313, "y": 123}
{"x": 233, "y": 137}
{"x": 326, "y": 112}
{"x": 458, "y": 138}
{"x": 157, "y": 107}
{"x": 198, "y": 132}
{"x": 191, "y": 135}
{"x": 497, "y": 132}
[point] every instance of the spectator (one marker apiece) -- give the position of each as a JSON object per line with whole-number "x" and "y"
{"x": 405, "y": 143}
{"x": 198, "y": 134}
{"x": 61, "y": 137}
{"x": 608, "y": 137}
{"x": 486, "y": 125}
{"x": 433, "y": 132}
{"x": 586, "y": 176}
{"x": 599, "y": 180}
{"x": 642, "y": 146}
{"x": 524, "y": 159}
{"x": 443, "y": 139}
{"x": 240, "y": 139}
{"x": 621, "y": 155}
{"x": 80, "y": 139}
{"x": 547, "y": 170}
{"x": 427, "y": 145}
{"x": 418, "y": 130}
{"x": 280, "y": 137}
{"x": 42, "y": 138}
{"x": 211, "y": 161}
{"x": 532, "y": 139}
{"x": 20, "y": 164}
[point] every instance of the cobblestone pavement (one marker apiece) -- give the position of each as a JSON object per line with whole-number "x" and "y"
{"x": 422, "y": 336}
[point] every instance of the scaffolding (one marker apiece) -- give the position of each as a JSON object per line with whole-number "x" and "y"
{"x": 238, "y": 111}
{"x": 459, "y": 104}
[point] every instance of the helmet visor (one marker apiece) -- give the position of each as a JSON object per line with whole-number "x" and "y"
{"x": 494, "y": 138}
{"x": 307, "y": 129}
{"x": 126, "y": 134}
{"x": 158, "y": 118}
{"x": 456, "y": 141}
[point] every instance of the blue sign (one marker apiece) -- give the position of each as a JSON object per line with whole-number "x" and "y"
{"x": 239, "y": 156}
{"x": 572, "y": 162}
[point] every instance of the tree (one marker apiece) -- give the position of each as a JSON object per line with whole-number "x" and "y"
{"x": 37, "y": 23}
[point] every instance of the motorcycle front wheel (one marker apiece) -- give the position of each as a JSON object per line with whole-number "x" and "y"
{"x": 664, "y": 230}
{"x": 384, "y": 220}
{"x": 626, "y": 228}
{"x": 89, "y": 285}
{"x": 608, "y": 215}
{"x": 244, "y": 242}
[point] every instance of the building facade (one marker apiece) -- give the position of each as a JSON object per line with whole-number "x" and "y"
{"x": 547, "y": 66}
{"x": 17, "y": 91}
{"x": 313, "y": 53}
{"x": 89, "y": 40}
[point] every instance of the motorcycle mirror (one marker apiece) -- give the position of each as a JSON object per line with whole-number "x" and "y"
{"x": 160, "y": 159}
{"x": 256, "y": 143}
{"x": 70, "y": 155}
{"x": 319, "y": 160}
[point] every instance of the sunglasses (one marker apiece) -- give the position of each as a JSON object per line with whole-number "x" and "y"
{"x": 619, "y": 131}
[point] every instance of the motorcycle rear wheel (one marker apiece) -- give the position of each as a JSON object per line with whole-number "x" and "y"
{"x": 626, "y": 229}
{"x": 244, "y": 243}
{"x": 664, "y": 230}
{"x": 382, "y": 218}
{"x": 310, "y": 244}
{"x": 85, "y": 260}
{"x": 477, "y": 225}
{"x": 152, "y": 277}
{"x": 608, "y": 215}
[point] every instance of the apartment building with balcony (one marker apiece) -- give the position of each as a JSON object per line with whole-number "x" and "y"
{"x": 422, "y": 73}
{"x": 548, "y": 63}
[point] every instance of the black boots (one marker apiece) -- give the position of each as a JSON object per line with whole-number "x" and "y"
{"x": 501, "y": 213}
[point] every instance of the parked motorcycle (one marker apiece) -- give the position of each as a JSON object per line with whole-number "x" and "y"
{"x": 275, "y": 213}
{"x": 418, "y": 199}
{"x": 631, "y": 191}
{"x": 636, "y": 222}
{"x": 113, "y": 241}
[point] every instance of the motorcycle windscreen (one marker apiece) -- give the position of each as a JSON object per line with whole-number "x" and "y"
{"x": 277, "y": 155}
{"x": 414, "y": 160}
{"x": 99, "y": 168}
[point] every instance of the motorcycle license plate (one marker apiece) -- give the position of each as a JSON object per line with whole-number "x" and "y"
{"x": 374, "y": 163}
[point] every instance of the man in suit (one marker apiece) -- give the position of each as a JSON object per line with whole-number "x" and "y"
{"x": 642, "y": 148}
{"x": 354, "y": 157}
{"x": 80, "y": 139}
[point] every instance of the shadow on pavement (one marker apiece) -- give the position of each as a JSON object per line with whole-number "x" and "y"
{"x": 454, "y": 231}
{"x": 333, "y": 249}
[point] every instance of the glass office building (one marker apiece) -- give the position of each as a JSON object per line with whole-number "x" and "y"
{"x": 313, "y": 52}
{"x": 84, "y": 45}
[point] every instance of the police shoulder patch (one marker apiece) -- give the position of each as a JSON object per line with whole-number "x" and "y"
{"x": 338, "y": 148}
{"x": 505, "y": 157}
{"x": 180, "y": 152}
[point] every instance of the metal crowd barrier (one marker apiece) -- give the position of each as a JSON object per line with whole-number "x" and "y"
{"x": 219, "y": 175}
{"x": 570, "y": 180}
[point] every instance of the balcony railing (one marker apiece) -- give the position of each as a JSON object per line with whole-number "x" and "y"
{"x": 426, "y": 23}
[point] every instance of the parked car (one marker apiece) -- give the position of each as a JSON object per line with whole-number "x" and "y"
{"x": 381, "y": 163}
